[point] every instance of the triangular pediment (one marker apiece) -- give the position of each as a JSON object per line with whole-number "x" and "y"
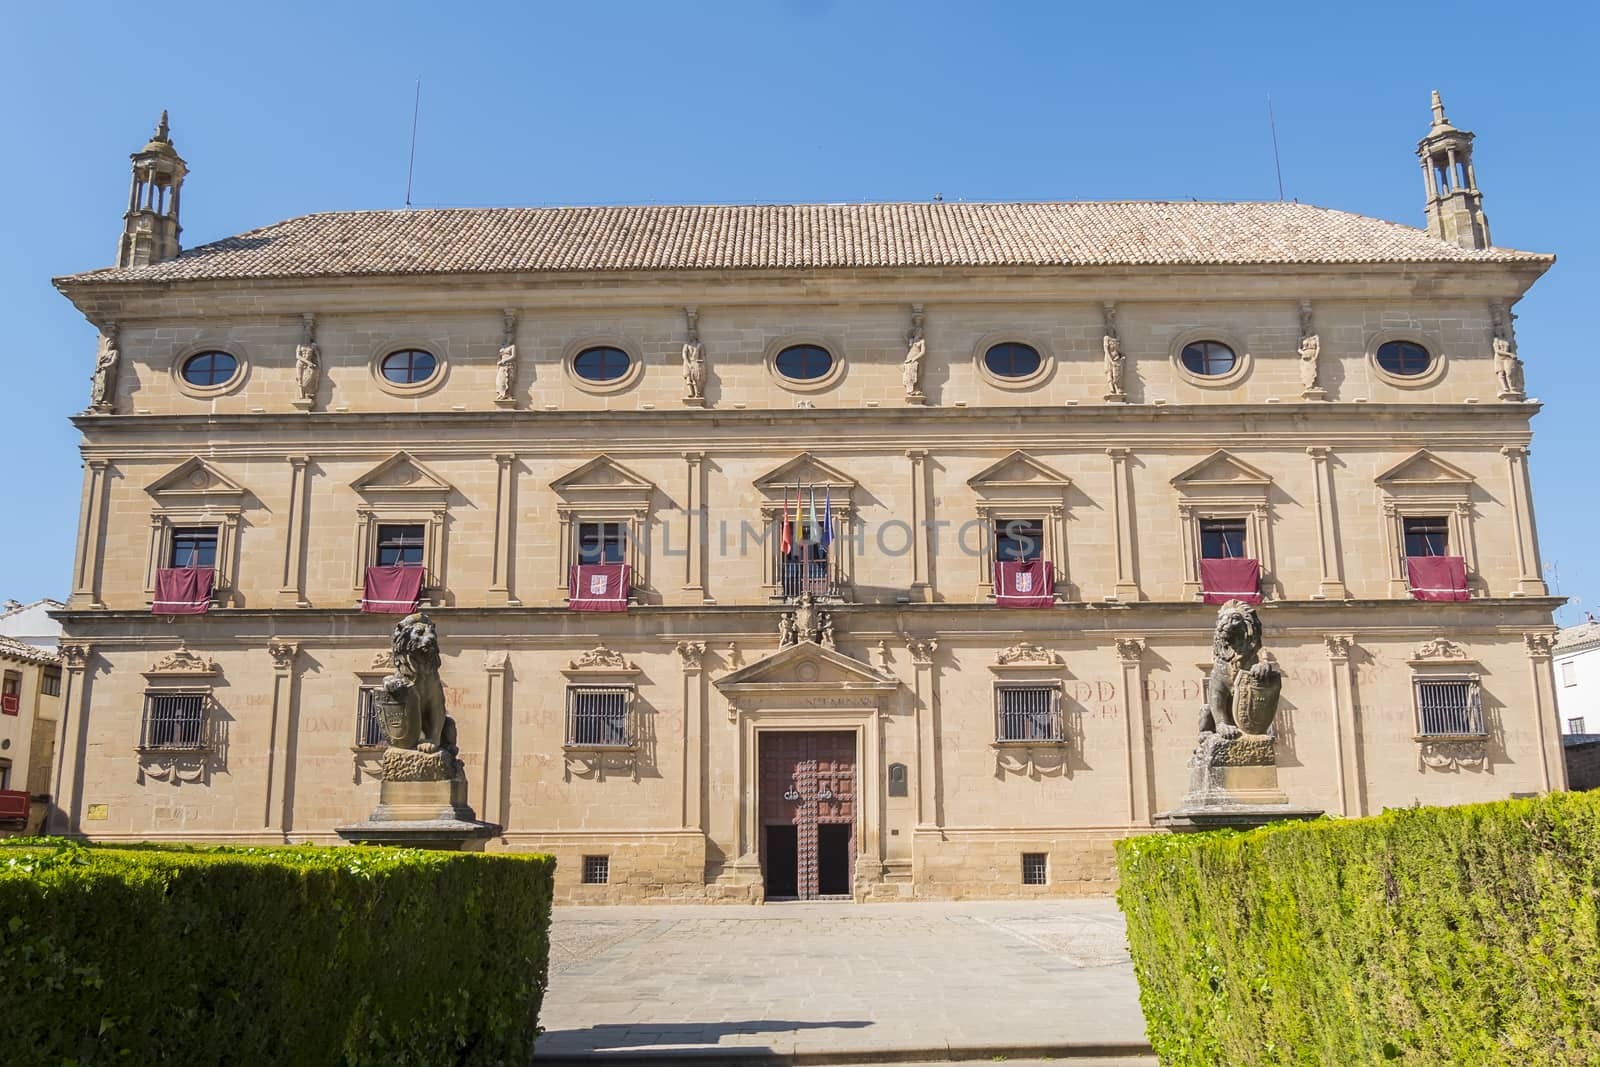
{"x": 1018, "y": 471}
{"x": 804, "y": 469}
{"x": 195, "y": 478}
{"x": 1422, "y": 468}
{"x": 401, "y": 475}
{"x": 602, "y": 474}
{"x": 1222, "y": 469}
{"x": 806, "y": 665}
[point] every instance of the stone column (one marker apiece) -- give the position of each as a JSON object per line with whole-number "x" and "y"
{"x": 1547, "y": 726}
{"x": 921, "y": 532}
{"x": 1531, "y": 580}
{"x": 1347, "y": 762}
{"x": 1135, "y": 712}
{"x": 292, "y": 589}
{"x": 692, "y": 654}
{"x": 505, "y": 506}
{"x": 277, "y": 816}
{"x": 1191, "y": 551}
{"x": 1122, "y": 522}
{"x": 1332, "y": 586}
{"x": 925, "y": 691}
{"x": 496, "y": 753}
{"x": 694, "y": 524}
{"x": 91, "y": 513}
{"x": 65, "y": 813}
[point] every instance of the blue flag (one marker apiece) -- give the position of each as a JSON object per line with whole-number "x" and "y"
{"x": 827, "y": 517}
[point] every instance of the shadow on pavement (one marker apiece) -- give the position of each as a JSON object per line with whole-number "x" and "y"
{"x": 611, "y": 1036}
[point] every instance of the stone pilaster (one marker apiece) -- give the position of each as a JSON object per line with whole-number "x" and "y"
{"x": 291, "y": 591}
{"x": 1547, "y": 725}
{"x": 1531, "y": 578}
{"x": 694, "y": 523}
{"x": 1347, "y": 760}
{"x": 921, "y": 531}
{"x": 496, "y": 752}
{"x": 91, "y": 517}
{"x": 1136, "y": 714}
{"x": 71, "y": 734}
{"x": 1332, "y": 584}
{"x": 505, "y": 509}
{"x": 925, "y": 690}
{"x": 1127, "y": 587}
{"x": 692, "y": 656}
{"x": 278, "y": 815}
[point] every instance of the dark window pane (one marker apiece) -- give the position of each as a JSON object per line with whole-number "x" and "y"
{"x": 1428, "y": 536}
{"x": 409, "y": 366}
{"x": 196, "y": 547}
{"x": 209, "y": 368}
{"x": 400, "y": 545}
{"x": 1222, "y": 539}
{"x": 804, "y": 362}
{"x": 602, "y": 364}
{"x": 1018, "y": 539}
{"x": 602, "y": 542}
{"x": 1404, "y": 358}
{"x": 1208, "y": 358}
{"x": 1012, "y": 360}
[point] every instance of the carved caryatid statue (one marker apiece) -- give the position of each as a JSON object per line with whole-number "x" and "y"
{"x": 307, "y": 360}
{"x": 1507, "y": 367}
{"x": 1113, "y": 364}
{"x": 505, "y": 367}
{"x": 694, "y": 361}
{"x": 103, "y": 383}
{"x": 807, "y": 622}
{"x": 1310, "y": 353}
{"x": 916, "y": 352}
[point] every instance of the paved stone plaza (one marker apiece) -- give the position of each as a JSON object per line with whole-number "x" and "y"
{"x": 819, "y": 981}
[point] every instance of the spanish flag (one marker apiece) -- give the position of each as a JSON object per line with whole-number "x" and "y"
{"x": 784, "y": 545}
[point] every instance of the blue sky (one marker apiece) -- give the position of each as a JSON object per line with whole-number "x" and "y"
{"x": 287, "y": 108}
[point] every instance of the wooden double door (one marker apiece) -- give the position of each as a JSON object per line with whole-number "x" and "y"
{"x": 808, "y": 813}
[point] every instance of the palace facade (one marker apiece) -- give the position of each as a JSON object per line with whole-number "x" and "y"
{"x": 1004, "y": 459}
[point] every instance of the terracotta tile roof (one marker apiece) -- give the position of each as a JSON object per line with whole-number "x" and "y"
{"x": 797, "y": 236}
{"x": 16, "y": 650}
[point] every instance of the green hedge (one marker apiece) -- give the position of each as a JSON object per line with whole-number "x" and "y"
{"x": 288, "y": 955}
{"x": 1462, "y": 935}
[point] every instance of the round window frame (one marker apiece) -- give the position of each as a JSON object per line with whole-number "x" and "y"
{"x": 1424, "y": 341}
{"x": 820, "y": 384}
{"x": 206, "y": 392}
{"x": 628, "y": 380}
{"x": 1047, "y": 360}
{"x": 435, "y": 347}
{"x": 1241, "y": 366}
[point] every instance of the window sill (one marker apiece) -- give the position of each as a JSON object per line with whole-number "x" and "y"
{"x": 630, "y": 747}
{"x": 1059, "y": 742}
{"x": 173, "y": 750}
{"x": 1449, "y": 737}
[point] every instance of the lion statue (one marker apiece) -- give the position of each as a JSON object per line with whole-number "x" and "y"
{"x": 415, "y": 687}
{"x": 1242, "y": 694}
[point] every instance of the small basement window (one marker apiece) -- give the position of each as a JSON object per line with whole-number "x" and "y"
{"x": 1035, "y": 868}
{"x": 596, "y": 870}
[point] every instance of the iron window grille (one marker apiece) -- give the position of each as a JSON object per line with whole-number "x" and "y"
{"x": 596, "y": 870}
{"x": 369, "y": 724}
{"x": 1449, "y": 709}
{"x": 1028, "y": 714}
{"x": 175, "y": 721}
{"x": 1035, "y": 868}
{"x": 600, "y": 716}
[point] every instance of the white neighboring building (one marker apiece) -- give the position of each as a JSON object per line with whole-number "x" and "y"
{"x": 1577, "y": 665}
{"x": 31, "y": 623}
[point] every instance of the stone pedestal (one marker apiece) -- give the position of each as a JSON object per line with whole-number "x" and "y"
{"x": 1233, "y": 783}
{"x": 1314, "y": 394}
{"x": 302, "y": 403}
{"x": 1117, "y": 397}
{"x": 915, "y": 398}
{"x": 422, "y": 803}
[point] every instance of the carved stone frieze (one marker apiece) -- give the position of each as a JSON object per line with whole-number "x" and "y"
{"x": 691, "y": 653}
{"x": 182, "y": 661}
{"x": 1129, "y": 649}
{"x": 1453, "y": 754}
{"x": 1025, "y": 652}
{"x": 381, "y": 661}
{"x": 1339, "y": 645}
{"x": 602, "y": 658}
{"x": 1439, "y": 648}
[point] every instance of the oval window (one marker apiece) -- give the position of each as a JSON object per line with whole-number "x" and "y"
{"x": 1404, "y": 359}
{"x": 409, "y": 366}
{"x": 1012, "y": 359}
{"x": 1209, "y": 359}
{"x": 601, "y": 364}
{"x": 804, "y": 363}
{"x": 209, "y": 368}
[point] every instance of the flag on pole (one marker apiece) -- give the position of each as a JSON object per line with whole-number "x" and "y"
{"x": 827, "y": 517}
{"x": 783, "y": 539}
{"x": 816, "y": 527}
{"x": 799, "y": 533}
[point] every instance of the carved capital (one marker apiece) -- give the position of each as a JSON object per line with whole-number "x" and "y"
{"x": 1514, "y": 451}
{"x": 922, "y": 650}
{"x": 283, "y": 653}
{"x": 1129, "y": 649}
{"x": 497, "y": 660}
{"x": 75, "y": 654}
{"x": 1318, "y": 452}
{"x": 1540, "y": 645}
{"x": 1339, "y": 645}
{"x": 691, "y": 653}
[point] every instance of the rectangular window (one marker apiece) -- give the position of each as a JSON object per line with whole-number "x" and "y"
{"x": 599, "y": 716}
{"x": 1449, "y": 709}
{"x": 193, "y": 546}
{"x": 1018, "y": 539}
{"x": 400, "y": 544}
{"x": 5, "y": 775}
{"x": 174, "y": 720}
{"x": 11, "y": 693}
{"x": 1035, "y": 868}
{"x": 596, "y": 870}
{"x": 1575, "y": 725}
{"x": 369, "y": 726}
{"x": 1569, "y": 672}
{"x": 1028, "y": 713}
{"x": 1427, "y": 536}
{"x": 50, "y": 682}
{"x": 1222, "y": 539}
{"x": 602, "y": 542}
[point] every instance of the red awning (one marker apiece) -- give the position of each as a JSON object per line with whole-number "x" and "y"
{"x": 1222, "y": 580}
{"x": 599, "y": 587}
{"x": 392, "y": 590}
{"x": 183, "y": 590}
{"x": 1024, "y": 583}
{"x": 1437, "y": 577}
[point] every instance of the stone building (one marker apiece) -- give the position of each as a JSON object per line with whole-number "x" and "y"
{"x": 30, "y": 713}
{"x": 1027, "y": 447}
